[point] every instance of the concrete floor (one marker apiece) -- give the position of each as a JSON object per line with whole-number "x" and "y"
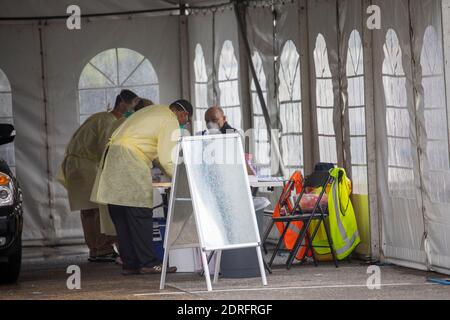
{"x": 44, "y": 277}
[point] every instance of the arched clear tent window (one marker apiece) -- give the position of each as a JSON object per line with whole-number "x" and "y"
{"x": 201, "y": 88}
{"x": 324, "y": 102}
{"x": 290, "y": 104}
{"x": 6, "y": 116}
{"x": 435, "y": 112}
{"x": 229, "y": 85}
{"x": 400, "y": 162}
{"x": 260, "y": 135}
{"x": 108, "y": 73}
{"x": 356, "y": 113}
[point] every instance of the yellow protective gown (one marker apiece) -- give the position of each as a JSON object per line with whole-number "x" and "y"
{"x": 81, "y": 159}
{"x": 106, "y": 224}
{"x": 117, "y": 124}
{"x": 124, "y": 177}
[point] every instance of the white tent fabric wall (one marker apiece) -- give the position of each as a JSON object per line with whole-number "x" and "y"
{"x": 289, "y": 68}
{"x": 22, "y": 66}
{"x": 216, "y": 36}
{"x": 39, "y": 8}
{"x": 226, "y": 59}
{"x": 201, "y": 61}
{"x": 47, "y": 218}
{"x": 400, "y": 202}
{"x": 282, "y": 67}
{"x": 139, "y": 34}
{"x": 433, "y": 132}
{"x": 413, "y": 205}
{"x": 353, "y": 113}
{"x": 325, "y": 88}
{"x": 352, "y": 93}
{"x": 260, "y": 30}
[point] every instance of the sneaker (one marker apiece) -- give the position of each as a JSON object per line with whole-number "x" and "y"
{"x": 110, "y": 257}
{"x": 156, "y": 270}
{"x": 171, "y": 269}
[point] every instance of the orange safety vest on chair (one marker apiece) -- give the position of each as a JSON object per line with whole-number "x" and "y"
{"x": 294, "y": 228}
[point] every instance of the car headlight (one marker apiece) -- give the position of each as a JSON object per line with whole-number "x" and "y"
{"x": 6, "y": 190}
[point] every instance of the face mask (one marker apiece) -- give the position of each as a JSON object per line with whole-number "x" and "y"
{"x": 212, "y": 126}
{"x": 182, "y": 127}
{"x": 128, "y": 113}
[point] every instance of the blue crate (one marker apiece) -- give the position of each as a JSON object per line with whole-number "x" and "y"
{"x": 159, "y": 230}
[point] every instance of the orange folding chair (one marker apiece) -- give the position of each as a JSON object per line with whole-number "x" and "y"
{"x": 289, "y": 231}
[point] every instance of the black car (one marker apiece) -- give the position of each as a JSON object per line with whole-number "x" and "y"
{"x": 11, "y": 216}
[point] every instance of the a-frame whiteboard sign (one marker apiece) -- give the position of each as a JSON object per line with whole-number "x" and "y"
{"x": 211, "y": 205}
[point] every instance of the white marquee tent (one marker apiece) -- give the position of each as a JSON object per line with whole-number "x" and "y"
{"x": 374, "y": 101}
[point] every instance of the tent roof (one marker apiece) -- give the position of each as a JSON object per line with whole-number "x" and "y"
{"x": 45, "y": 8}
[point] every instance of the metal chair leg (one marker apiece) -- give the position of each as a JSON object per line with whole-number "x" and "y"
{"x": 211, "y": 254}
{"x": 266, "y": 235}
{"x": 310, "y": 247}
{"x": 267, "y": 267}
{"x": 296, "y": 247}
{"x": 298, "y": 243}
{"x": 280, "y": 241}
{"x": 310, "y": 240}
{"x": 330, "y": 243}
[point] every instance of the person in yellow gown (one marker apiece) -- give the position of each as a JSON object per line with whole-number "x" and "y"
{"x": 106, "y": 224}
{"x": 124, "y": 179}
{"x": 79, "y": 168}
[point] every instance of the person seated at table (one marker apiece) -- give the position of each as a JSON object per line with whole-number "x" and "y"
{"x": 216, "y": 122}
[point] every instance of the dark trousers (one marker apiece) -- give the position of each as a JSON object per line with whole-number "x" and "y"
{"x": 134, "y": 228}
{"x": 98, "y": 243}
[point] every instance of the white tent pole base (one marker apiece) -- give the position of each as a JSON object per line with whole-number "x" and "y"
{"x": 261, "y": 266}
{"x": 217, "y": 267}
{"x": 206, "y": 271}
{"x": 164, "y": 270}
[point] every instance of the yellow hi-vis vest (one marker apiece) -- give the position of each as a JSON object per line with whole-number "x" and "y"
{"x": 342, "y": 222}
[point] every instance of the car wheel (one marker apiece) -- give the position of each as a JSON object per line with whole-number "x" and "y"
{"x": 9, "y": 271}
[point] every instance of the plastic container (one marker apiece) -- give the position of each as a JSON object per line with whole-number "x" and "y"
{"x": 243, "y": 263}
{"x": 309, "y": 200}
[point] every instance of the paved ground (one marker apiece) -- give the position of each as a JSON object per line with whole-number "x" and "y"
{"x": 44, "y": 277}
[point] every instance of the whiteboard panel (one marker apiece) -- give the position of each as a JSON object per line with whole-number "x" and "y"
{"x": 220, "y": 191}
{"x": 182, "y": 231}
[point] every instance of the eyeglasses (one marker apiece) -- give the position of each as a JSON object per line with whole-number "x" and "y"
{"x": 184, "y": 109}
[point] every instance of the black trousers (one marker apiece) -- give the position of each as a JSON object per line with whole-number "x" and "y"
{"x": 134, "y": 228}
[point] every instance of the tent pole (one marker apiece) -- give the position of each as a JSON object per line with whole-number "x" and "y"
{"x": 418, "y": 103}
{"x": 240, "y": 9}
{"x": 47, "y": 144}
{"x": 244, "y": 83}
{"x": 308, "y": 154}
{"x": 342, "y": 135}
{"x": 445, "y": 53}
{"x": 371, "y": 143}
{"x": 184, "y": 54}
